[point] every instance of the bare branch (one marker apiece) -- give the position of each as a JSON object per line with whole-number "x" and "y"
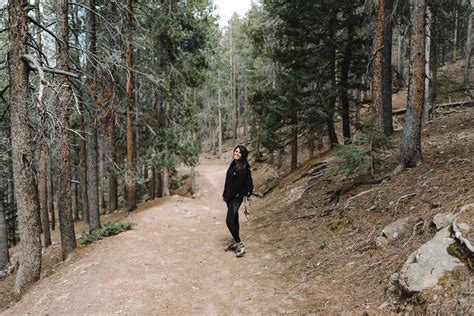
{"x": 45, "y": 29}
{"x": 40, "y": 69}
{"x": 43, "y": 82}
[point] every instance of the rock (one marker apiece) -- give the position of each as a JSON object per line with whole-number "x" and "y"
{"x": 464, "y": 228}
{"x": 393, "y": 230}
{"x": 394, "y": 278}
{"x": 425, "y": 266}
{"x": 381, "y": 241}
{"x": 442, "y": 220}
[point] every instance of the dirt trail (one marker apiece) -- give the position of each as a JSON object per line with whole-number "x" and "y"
{"x": 172, "y": 262}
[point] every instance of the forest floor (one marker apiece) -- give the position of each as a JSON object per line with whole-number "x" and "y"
{"x": 171, "y": 262}
{"x": 305, "y": 254}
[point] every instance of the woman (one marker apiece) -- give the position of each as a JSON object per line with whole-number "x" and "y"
{"x": 238, "y": 184}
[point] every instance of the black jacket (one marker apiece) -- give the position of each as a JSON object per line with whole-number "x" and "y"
{"x": 237, "y": 184}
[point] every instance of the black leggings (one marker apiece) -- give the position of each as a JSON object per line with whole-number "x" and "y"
{"x": 232, "y": 219}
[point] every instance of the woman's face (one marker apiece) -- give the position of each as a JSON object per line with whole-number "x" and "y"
{"x": 237, "y": 154}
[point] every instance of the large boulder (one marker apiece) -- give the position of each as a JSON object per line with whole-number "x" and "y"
{"x": 425, "y": 266}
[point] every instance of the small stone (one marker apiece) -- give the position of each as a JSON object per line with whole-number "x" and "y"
{"x": 383, "y": 305}
{"x": 394, "y": 278}
{"x": 381, "y": 241}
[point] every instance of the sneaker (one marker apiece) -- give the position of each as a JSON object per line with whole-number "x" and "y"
{"x": 231, "y": 246}
{"x": 240, "y": 250}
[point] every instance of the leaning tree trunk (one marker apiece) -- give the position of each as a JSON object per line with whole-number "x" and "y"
{"x": 383, "y": 67}
{"x": 131, "y": 178}
{"x": 410, "y": 148}
{"x": 22, "y": 150}
{"x": 91, "y": 122}
{"x": 66, "y": 223}
{"x": 4, "y": 255}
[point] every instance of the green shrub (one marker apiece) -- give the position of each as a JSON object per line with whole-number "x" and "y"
{"x": 109, "y": 229}
{"x": 363, "y": 154}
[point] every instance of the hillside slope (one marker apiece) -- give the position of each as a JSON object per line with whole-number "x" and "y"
{"x": 327, "y": 249}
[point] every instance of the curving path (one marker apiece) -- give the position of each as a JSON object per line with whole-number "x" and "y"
{"x": 172, "y": 262}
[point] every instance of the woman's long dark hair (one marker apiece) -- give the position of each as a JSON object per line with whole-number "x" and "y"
{"x": 242, "y": 163}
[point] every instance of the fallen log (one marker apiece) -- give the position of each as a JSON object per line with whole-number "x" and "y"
{"x": 438, "y": 106}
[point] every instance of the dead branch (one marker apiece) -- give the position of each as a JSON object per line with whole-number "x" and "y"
{"x": 418, "y": 223}
{"x": 43, "y": 83}
{"x": 45, "y": 29}
{"x": 40, "y": 69}
{"x": 403, "y": 197}
{"x": 356, "y": 196}
{"x": 440, "y": 106}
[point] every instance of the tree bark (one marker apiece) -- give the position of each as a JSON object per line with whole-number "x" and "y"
{"x": 467, "y": 60}
{"x": 220, "y": 122}
{"x": 51, "y": 194}
{"x": 428, "y": 78}
{"x": 383, "y": 67}
{"x": 23, "y": 151}
{"x": 131, "y": 177}
{"x": 294, "y": 143}
{"x": 332, "y": 100}
{"x": 91, "y": 126}
{"x": 113, "y": 192}
{"x": 410, "y": 148}
{"x": 43, "y": 195}
{"x": 66, "y": 223}
{"x": 345, "y": 110}
{"x": 4, "y": 254}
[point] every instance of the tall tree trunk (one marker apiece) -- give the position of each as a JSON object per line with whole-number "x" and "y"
{"x": 434, "y": 65}
{"x": 92, "y": 142}
{"x": 4, "y": 254}
{"x": 43, "y": 156}
{"x": 66, "y": 223}
{"x": 428, "y": 78}
{"x": 22, "y": 150}
{"x": 131, "y": 177}
{"x": 469, "y": 41}
{"x": 51, "y": 193}
{"x": 332, "y": 100}
{"x": 113, "y": 192}
{"x": 455, "y": 35}
{"x": 383, "y": 67}
{"x": 82, "y": 140}
{"x": 83, "y": 170}
{"x": 219, "y": 109}
{"x": 345, "y": 110}
{"x": 102, "y": 177}
{"x": 43, "y": 195}
{"x": 410, "y": 148}
{"x": 153, "y": 183}
{"x": 294, "y": 143}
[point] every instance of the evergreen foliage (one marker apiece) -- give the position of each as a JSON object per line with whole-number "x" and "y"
{"x": 109, "y": 229}
{"x": 363, "y": 154}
